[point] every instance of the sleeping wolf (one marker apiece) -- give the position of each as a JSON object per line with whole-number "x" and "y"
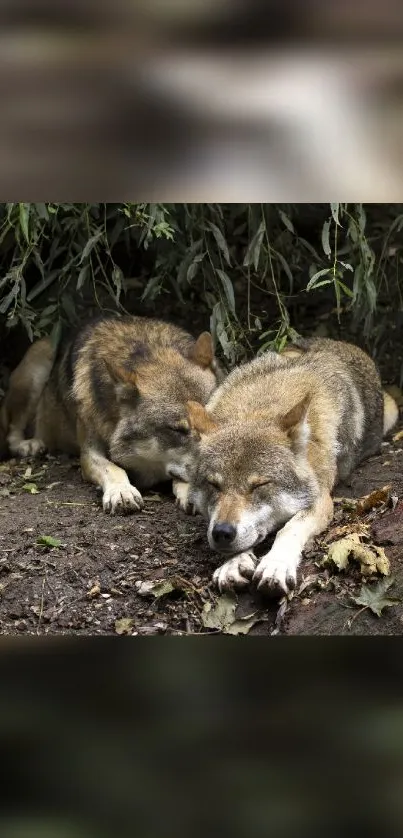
{"x": 116, "y": 394}
{"x": 275, "y": 437}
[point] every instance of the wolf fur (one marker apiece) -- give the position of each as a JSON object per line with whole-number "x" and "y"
{"x": 275, "y": 438}
{"x": 115, "y": 394}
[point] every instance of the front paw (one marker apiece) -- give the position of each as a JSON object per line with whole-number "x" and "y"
{"x": 121, "y": 498}
{"x": 28, "y": 448}
{"x": 183, "y": 498}
{"x": 236, "y": 573}
{"x": 181, "y": 492}
{"x": 276, "y": 575}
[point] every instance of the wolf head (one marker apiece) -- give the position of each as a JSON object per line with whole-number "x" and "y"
{"x": 250, "y": 476}
{"x": 153, "y": 437}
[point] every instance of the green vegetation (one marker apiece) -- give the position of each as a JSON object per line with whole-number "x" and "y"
{"x": 59, "y": 260}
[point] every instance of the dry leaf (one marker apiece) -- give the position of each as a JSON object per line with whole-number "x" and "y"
{"x": 371, "y": 559}
{"x": 124, "y": 625}
{"x": 157, "y": 588}
{"x": 373, "y": 597}
{"x": 397, "y": 437}
{"x": 95, "y": 591}
{"x": 375, "y": 498}
{"x": 221, "y": 616}
{"x": 339, "y": 531}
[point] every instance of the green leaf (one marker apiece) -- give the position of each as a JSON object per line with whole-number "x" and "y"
{"x": 374, "y": 597}
{"x": 42, "y": 211}
{"x": 312, "y": 281}
{"x": 326, "y": 238}
{"x": 334, "y": 208}
{"x": 82, "y": 276}
{"x": 228, "y": 288}
{"x": 8, "y": 299}
{"x": 90, "y": 245}
{"x": 48, "y": 541}
{"x": 222, "y": 244}
{"x": 345, "y": 288}
{"x": 24, "y": 220}
{"x": 286, "y": 221}
{"x": 31, "y": 488}
{"x": 252, "y": 255}
{"x": 286, "y": 269}
{"x": 194, "y": 267}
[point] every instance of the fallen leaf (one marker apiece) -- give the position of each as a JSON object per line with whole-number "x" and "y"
{"x": 157, "y": 589}
{"x": 375, "y": 498}
{"x": 339, "y": 531}
{"x": 94, "y": 591}
{"x": 123, "y": 625}
{"x": 371, "y": 559}
{"x": 27, "y": 472}
{"x": 154, "y": 498}
{"x": 374, "y": 597}
{"x": 49, "y": 541}
{"x": 221, "y": 616}
{"x": 31, "y": 488}
{"x": 397, "y": 437}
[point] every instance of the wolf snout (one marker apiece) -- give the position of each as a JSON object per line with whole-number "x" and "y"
{"x": 223, "y": 535}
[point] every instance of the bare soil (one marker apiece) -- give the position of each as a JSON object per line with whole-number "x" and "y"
{"x": 90, "y": 580}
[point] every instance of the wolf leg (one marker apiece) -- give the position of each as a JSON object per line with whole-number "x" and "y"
{"x": 26, "y": 386}
{"x": 118, "y": 493}
{"x": 276, "y": 573}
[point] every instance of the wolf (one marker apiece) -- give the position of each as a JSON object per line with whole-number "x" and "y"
{"x": 275, "y": 437}
{"x": 115, "y": 393}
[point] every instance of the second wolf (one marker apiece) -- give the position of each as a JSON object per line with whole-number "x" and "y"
{"x": 116, "y": 394}
{"x": 275, "y": 438}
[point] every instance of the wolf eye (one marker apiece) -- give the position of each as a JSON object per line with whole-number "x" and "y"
{"x": 179, "y": 429}
{"x": 260, "y": 485}
{"x": 214, "y": 484}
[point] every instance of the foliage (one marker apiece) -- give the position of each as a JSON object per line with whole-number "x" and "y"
{"x": 59, "y": 260}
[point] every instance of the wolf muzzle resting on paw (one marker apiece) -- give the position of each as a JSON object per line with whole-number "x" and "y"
{"x": 115, "y": 394}
{"x": 275, "y": 438}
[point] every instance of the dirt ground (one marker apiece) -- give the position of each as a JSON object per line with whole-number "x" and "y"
{"x": 86, "y": 578}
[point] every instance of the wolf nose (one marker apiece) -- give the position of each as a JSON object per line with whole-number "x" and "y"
{"x": 223, "y": 534}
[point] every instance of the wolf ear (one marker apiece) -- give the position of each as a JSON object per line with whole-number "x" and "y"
{"x": 199, "y": 420}
{"x": 203, "y": 353}
{"x": 126, "y": 382}
{"x": 295, "y": 423}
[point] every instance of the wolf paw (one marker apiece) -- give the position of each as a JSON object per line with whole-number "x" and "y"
{"x": 181, "y": 491}
{"x": 28, "y": 448}
{"x": 275, "y": 576}
{"x": 236, "y": 573}
{"x": 121, "y": 499}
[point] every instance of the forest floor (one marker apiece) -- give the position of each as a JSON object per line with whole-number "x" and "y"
{"x": 67, "y": 567}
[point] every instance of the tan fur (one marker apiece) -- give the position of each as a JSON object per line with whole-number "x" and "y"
{"x": 391, "y": 412}
{"x": 117, "y": 395}
{"x": 26, "y": 385}
{"x": 275, "y": 438}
